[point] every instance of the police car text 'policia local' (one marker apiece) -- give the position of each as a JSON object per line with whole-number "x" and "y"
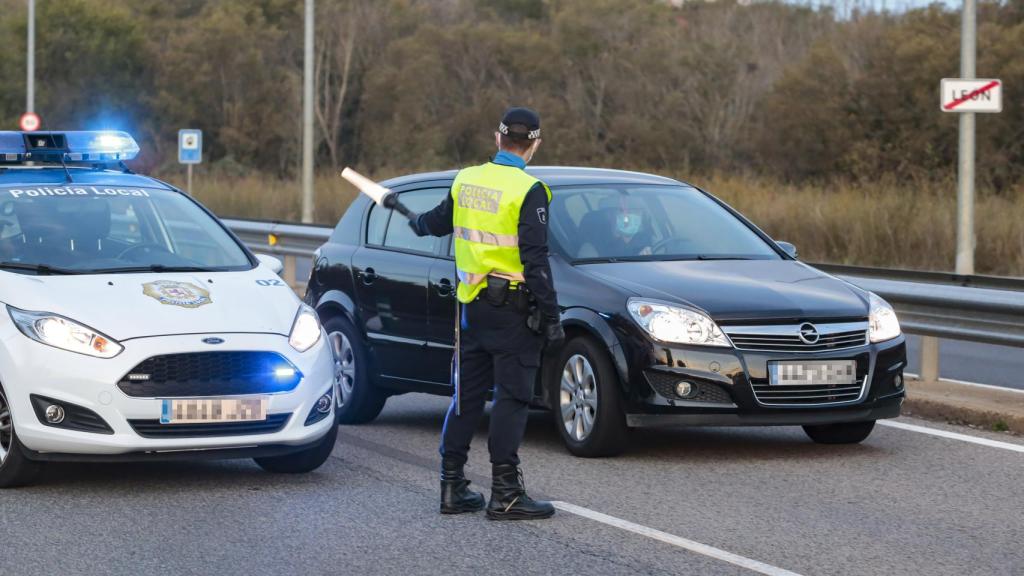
{"x": 135, "y": 326}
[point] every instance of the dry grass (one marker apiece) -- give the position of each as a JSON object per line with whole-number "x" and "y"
{"x": 893, "y": 225}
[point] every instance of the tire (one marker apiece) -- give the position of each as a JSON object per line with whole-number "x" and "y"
{"x": 15, "y": 469}
{"x": 584, "y": 389}
{"x": 302, "y": 462}
{"x": 843, "y": 433}
{"x": 358, "y": 401}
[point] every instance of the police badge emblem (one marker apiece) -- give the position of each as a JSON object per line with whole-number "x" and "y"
{"x": 182, "y": 294}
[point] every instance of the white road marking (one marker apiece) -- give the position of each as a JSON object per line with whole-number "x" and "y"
{"x": 954, "y": 436}
{"x": 966, "y": 383}
{"x": 697, "y": 547}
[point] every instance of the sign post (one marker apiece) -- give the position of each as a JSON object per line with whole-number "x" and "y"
{"x": 190, "y": 151}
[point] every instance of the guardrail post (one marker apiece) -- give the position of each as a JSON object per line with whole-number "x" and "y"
{"x": 289, "y": 270}
{"x": 929, "y": 359}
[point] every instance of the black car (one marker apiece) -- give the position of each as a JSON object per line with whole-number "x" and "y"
{"x": 677, "y": 310}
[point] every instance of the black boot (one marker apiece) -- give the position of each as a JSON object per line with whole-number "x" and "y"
{"x": 508, "y": 497}
{"x": 456, "y": 497}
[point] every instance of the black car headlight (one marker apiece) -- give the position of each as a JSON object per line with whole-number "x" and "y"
{"x": 64, "y": 333}
{"x": 676, "y": 324}
{"x": 882, "y": 321}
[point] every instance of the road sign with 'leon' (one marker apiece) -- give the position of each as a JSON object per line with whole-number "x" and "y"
{"x": 190, "y": 146}
{"x": 982, "y": 95}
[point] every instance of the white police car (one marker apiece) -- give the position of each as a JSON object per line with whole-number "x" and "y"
{"x": 134, "y": 325}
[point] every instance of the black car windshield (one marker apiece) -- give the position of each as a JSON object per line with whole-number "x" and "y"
{"x": 72, "y": 229}
{"x": 649, "y": 223}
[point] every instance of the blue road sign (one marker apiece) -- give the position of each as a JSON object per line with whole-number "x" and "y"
{"x": 190, "y": 146}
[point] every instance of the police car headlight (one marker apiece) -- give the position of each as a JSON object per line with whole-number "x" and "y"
{"x": 64, "y": 333}
{"x": 882, "y": 322}
{"x": 305, "y": 329}
{"x": 674, "y": 324}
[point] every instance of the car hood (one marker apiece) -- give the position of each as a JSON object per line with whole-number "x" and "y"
{"x": 125, "y": 306}
{"x": 734, "y": 290}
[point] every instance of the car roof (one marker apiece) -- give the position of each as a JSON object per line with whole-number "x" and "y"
{"x": 55, "y": 175}
{"x": 553, "y": 176}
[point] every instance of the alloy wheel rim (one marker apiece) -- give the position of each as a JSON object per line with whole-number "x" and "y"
{"x": 578, "y": 397}
{"x": 6, "y": 428}
{"x": 344, "y": 367}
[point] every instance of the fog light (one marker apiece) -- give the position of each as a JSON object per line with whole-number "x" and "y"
{"x": 54, "y": 414}
{"x": 323, "y": 404}
{"x": 684, "y": 389}
{"x": 897, "y": 381}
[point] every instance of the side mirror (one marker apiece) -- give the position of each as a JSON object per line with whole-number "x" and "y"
{"x": 275, "y": 265}
{"x": 788, "y": 248}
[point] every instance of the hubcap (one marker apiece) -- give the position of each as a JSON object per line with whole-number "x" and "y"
{"x": 6, "y": 428}
{"x": 344, "y": 367}
{"x": 578, "y": 397}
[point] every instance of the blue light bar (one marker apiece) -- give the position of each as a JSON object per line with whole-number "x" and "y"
{"x": 84, "y": 146}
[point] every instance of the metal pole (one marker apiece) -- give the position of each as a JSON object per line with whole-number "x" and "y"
{"x": 188, "y": 187}
{"x": 929, "y": 359}
{"x": 965, "y": 185}
{"x": 307, "y": 117}
{"x": 30, "y": 84}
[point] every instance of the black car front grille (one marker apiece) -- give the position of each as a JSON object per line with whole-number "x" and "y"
{"x": 791, "y": 395}
{"x": 665, "y": 385}
{"x": 210, "y": 374}
{"x": 154, "y": 429}
{"x": 787, "y": 339}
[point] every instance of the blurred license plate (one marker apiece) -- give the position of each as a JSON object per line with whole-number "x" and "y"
{"x": 209, "y": 410}
{"x": 824, "y": 372}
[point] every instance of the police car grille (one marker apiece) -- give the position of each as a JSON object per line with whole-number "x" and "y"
{"x": 807, "y": 395}
{"x": 210, "y": 374}
{"x": 154, "y": 429}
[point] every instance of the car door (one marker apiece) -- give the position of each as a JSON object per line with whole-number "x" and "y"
{"x": 441, "y": 308}
{"x": 390, "y": 275}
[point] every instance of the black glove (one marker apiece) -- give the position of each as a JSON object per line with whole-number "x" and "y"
{"x": 417, "y": 228}
{"x": 554, "y": 335}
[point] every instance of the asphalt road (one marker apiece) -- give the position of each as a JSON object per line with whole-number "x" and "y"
{"x": 900, "y": 503}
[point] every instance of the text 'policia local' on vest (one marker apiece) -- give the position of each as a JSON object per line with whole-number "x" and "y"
{"x": 488, "y": 199}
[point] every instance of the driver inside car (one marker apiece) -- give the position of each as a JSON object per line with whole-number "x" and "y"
{"x": 624, "y": 229}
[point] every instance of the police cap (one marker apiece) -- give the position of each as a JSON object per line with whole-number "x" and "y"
{"x": 520, "y": 124}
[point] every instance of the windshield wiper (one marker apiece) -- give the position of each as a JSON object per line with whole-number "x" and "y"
{"x": 152, "y": 268}
{"x": 40, "y": 269}
{"x": 705, "y": 257}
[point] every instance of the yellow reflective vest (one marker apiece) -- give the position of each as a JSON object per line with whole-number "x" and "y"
{"x": 487, "y": 200}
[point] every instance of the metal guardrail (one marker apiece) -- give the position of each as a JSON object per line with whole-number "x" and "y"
{"x": 935, "y": 305}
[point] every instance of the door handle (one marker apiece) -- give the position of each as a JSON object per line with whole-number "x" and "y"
{"x": 444, "y": 287}
{"x": 369, "y": 275}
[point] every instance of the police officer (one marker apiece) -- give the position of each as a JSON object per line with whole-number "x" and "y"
{"x": 497, "y": 214}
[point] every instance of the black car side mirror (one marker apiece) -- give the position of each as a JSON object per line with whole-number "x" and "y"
{"x": 788, "y": 248}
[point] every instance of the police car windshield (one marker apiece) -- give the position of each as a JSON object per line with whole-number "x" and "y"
{"x": 629, "y": 223}
{"x": 84, "y": 229}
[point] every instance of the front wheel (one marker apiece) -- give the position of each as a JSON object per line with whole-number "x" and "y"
{"x": 587, "y": 403}
{"x": 358, "y": 401}
{"x": 302, "y": 462}
{"x": 15, "y": 468}
{"x": 844, "y": 433}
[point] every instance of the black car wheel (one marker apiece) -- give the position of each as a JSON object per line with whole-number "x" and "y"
{"x": 587, "y": 405}
{"x": 302, "y": 462}
{"x": 15, "y": 468}
{"x": 844, "y": 433}
{"x": 358, "y": 401}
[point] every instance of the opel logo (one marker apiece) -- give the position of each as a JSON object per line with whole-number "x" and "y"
{"x": 213, "y": 340}
{"x": 809, "y": 334}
